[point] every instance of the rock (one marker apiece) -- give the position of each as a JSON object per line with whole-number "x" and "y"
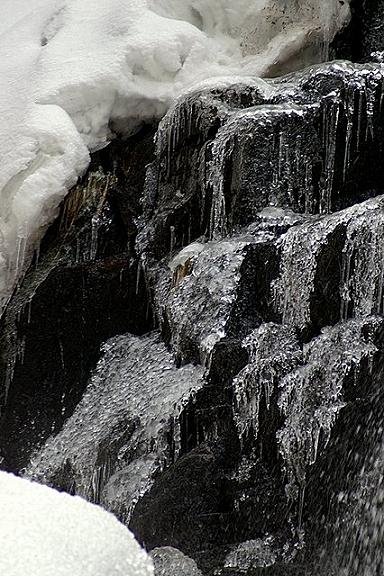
{"x": 83, "y": 288}
{"x": 169, "y": 561}
{"x": 205, "y": 182}
{"x": 130, "y": 412}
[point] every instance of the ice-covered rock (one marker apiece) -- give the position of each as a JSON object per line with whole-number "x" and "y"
{"x": 274, "y": 351}
{"x": 312, "y": 396}
{"x": 169, "y": 561}
{"x": 44, "y": 532}
{"x": 352, "y": 237}
{"x": 209, "y": 300}
{"x": 316, "y": 134}
{"x": 130, "y": 411}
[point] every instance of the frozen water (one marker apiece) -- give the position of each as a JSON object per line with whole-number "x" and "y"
{"x": 73, "y": 69}
{"x": 131, "y": 410}
{"x": 253, "y": 554}
{"x": 199, "y": 306}
{"x": 273, "y": 352}
{"x": 169, "y": 561}
{"x": 362, "y": 257}
{"x": 124, "y": 489}
{"x": 311, "y": 396}
{"x": 44, "y": 532}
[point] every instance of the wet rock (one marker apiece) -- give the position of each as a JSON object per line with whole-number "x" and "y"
{"x": 188, "y": 507}
{"x": 365, "y": 33}
{"x": 315, "y": 135}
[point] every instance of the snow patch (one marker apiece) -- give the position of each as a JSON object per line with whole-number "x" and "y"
{"x": 72, "y": 69}
{"x": 44, "y": 532}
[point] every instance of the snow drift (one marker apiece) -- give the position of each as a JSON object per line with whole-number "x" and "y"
{"x": 44, "y": 532}
{"x": 73, "y": 72}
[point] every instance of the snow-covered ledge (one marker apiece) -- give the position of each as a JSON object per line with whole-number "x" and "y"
{"x": 71, "y": 69}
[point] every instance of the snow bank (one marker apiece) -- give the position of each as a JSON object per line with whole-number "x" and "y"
{"x": 72, "y": 70}
{"x": 44, "y": 532}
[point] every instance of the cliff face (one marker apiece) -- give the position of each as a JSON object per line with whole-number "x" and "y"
{"x": 199, "y": 346}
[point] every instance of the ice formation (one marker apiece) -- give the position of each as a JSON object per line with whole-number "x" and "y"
{"x": 44, "y": 532}
{"x": 126, "y": 428}
{"x": 169, "y": 561}
{"x": 311, "y": 396}
{"x": 361, "y": 257}
{"x": 72, "y": 71}
{"x": 273, "y": 352}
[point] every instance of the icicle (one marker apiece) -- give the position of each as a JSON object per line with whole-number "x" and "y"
{"x": 350, "y": 113}
{"x": 138, "y": 274}
{"x": 29, "y": 310}
{"x": 172, "y": 236}
{"x": 273, "y": 350}
{"x": 308, "y": 186}
{"x": 21, "y": 246}
{"x": 95, "y": 225}
{"x": 345, "y": 297}
{"x": 222, "y": 150}
{"x": 370, "y": 97}
{"x": 359, "y": 118}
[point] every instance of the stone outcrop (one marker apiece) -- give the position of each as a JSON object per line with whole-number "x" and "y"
{"x": 201, "y": 339}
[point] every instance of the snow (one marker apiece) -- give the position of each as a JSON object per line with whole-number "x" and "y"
{"x": 44, "y": 532}
{"x": 72, "y": 71}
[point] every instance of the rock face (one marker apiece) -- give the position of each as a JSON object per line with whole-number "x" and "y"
{"x": 234, "y": 414}
{"x": 83, "y": 288}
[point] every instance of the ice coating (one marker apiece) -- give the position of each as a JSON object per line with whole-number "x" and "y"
{"x": 198, "y": 307}
{"x": 307, "y": 383}
{"x": 273, "y": 352}
{"x": 215, "y": 274}
{"x": 169, "y": 561}
{"x": 131, "y": 410}
{"x": 72, "y": 70}
{"x": 42, "y": 532}
{"x": 253, "y": 554}
{"x": 311, "y": 396}
{"x": 361, "y": 257}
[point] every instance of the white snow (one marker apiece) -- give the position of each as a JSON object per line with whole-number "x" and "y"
{"x": 70, "y": 70}
{"x": 46, "y": 533}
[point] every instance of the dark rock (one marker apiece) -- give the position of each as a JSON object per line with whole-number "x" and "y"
{"x": 317, "y": 136}
{"x": 84, "y": 287}
{"x": 365, "y": 33}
